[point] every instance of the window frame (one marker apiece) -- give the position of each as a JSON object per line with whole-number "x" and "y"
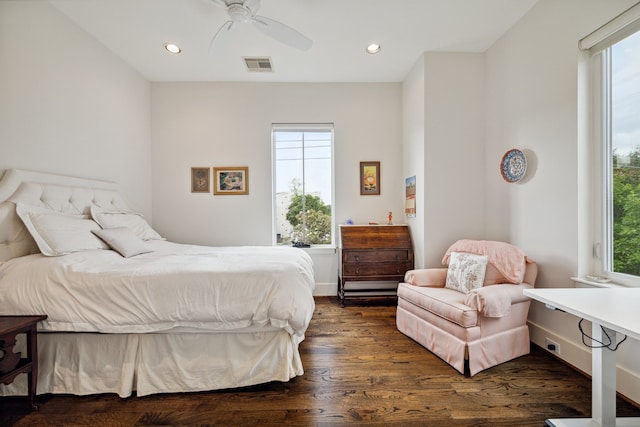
{"x": 302, "y": 127}
{"x": 600, "y": 67}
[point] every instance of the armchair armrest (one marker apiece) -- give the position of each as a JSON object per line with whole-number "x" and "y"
{"x": 496, "y": 300}
{"x": 431, "y": 277}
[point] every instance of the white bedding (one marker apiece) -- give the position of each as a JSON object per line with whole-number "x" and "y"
{"x": 174, "y": 288}
{"x": 228, "y": 317}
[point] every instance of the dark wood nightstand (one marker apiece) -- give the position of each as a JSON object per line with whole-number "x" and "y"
{"x": 11, "y": 364}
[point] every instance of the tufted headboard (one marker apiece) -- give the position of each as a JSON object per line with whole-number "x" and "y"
{"x": 59, "y": 193}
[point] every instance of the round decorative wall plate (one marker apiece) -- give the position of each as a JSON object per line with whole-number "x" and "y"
{"x": 513, "y": 165}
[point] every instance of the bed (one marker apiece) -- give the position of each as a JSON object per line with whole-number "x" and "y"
{"x": 129, "y": 312}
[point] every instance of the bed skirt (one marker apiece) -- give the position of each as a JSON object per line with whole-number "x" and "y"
{"x": 90, "y": 363}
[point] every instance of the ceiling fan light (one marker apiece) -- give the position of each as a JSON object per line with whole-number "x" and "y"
{"x": 173, "y": 48}
{"x": 239, "y": 13}
{"x": 373, "y": 48}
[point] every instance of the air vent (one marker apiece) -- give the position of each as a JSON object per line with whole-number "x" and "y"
{"x": 258, "y": 64}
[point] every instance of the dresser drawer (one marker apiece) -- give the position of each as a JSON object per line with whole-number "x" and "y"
{"x": 375, "y": 255}
{"x": 375, "y": 269}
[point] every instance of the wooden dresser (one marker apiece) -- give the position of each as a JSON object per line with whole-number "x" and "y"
{"x": 373, "y": 253}
{"x": 11, "y": 363}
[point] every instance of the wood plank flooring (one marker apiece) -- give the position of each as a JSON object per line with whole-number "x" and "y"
{"x": 359, "y": 370}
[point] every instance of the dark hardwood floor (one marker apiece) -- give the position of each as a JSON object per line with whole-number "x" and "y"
{"x": 359, "y": 370}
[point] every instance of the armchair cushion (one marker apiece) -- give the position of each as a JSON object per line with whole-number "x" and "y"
{"x": 446, "y": 304}
{"x": 493, "y": 276}
{"x": 496, "y": 300}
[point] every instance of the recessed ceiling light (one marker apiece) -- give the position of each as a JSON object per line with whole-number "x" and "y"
{"x": 172, "y": 48}
{"x": 373, "y": 48}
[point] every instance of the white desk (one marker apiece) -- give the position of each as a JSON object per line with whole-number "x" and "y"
{"x": 617, "y": 311}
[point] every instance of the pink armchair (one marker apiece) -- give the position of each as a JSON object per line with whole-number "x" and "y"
{"x": 481, "y": 328}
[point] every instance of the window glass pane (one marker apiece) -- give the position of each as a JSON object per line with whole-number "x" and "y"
{"x": 625, "y": 156}
{"x": 303, "y": 186}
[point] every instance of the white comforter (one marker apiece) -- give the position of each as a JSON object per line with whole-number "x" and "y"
{"x": 176, "y": 287}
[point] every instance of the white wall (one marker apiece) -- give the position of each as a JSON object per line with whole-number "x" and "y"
{"x": 229, "y": 124}
{"x": 413, "y": 130}
{"x": 68, "y": 105}
{"x": 532, "y": 104}
{"x": 443, "y": 116}
{"x": 454, "y": 145}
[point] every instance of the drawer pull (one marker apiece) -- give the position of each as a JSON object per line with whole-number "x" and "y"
{"x": 357, "y": 271}
{"x": 357, "y": 258}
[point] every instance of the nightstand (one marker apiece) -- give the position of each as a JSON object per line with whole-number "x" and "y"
{"x": 11, "y": 364}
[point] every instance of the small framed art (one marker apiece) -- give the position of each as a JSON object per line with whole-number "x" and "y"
{"x": 369, "y": 178}
{"x": 410, "y": 197}
{"x": 200, "y": 180}
{"x": 231, "y": 180}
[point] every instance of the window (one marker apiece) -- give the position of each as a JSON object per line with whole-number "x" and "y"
{"x": 623, "y": 151}
{"x": 303, "y": 184}
{"x": 616, "y": 63}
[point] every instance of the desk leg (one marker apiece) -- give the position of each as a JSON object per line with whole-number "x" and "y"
{"x": 603, "y": 366}
{"x": 603, "y": 388}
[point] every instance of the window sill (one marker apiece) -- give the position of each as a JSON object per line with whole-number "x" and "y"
{"x": 594, "y": 284}
{"x": 320, "y": 250}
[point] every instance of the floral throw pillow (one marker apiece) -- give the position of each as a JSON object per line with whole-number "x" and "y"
{"x": 466, "y": 271}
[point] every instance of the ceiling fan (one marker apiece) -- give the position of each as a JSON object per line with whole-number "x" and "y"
{"x": 245, "y": 11}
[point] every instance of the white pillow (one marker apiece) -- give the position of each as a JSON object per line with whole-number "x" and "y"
{"x": 466, "y": 271}
{"x": 124, "y": 241}
{"x": 133, "y": 221}
{"x": 57, "y": 233}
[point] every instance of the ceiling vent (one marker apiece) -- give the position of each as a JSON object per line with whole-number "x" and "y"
{"x": 258, "y": 64}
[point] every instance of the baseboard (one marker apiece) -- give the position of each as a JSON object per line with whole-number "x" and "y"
{"x": 331, "y": 289}
{"x": 579, "y": 357}
{"x": 325, "y": 290}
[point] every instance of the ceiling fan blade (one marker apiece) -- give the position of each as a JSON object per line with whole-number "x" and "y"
{"x": 220, "y": 3}
{"x": 253, "y": 5}
{"x": 282, "y": 33}
{"x": 221, "y": 37}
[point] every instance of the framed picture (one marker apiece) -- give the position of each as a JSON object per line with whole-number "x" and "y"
{"x": 231, "y": 180}
{"x": 410, "y": 197}
{"x": 200, "y": 180}
{"x": 369, "y": 178}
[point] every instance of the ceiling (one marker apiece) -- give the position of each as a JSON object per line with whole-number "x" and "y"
{"x": 136, "y": 31}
